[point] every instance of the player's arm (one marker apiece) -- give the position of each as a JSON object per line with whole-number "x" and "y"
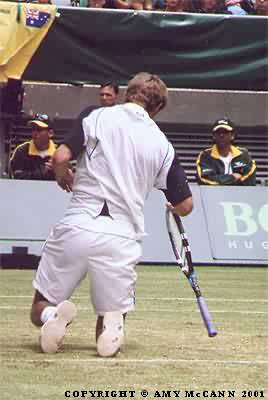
{"x": 173, "y": 182}
{"x": 178, "y": 192}
{"x": 61, "y": 165}
{"x": 183, "y": 208}
{"x": 70, "y": 149}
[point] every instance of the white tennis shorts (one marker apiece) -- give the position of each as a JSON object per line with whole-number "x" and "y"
{"x": 71, "y": 253}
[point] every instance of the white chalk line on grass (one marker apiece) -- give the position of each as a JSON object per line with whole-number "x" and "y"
{"x": 156, "y": 310}
{"x": 155, "y": 299}
{"x": 207, "y": 298}
{"x": 139, "y": 361}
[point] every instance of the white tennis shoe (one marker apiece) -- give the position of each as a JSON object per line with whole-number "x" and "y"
{"x": 53, "y": 331}
{"x": 112, "y": 336}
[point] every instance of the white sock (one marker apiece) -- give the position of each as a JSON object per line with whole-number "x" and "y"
{"x": 48, "y": 313}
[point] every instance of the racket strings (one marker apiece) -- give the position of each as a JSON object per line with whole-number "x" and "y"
{"x": 179, "y": 244}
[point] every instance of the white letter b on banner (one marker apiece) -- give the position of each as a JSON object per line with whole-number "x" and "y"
{"x": 238, "y": 219}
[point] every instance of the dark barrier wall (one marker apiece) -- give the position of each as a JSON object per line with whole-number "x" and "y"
{"x": 186, "y": 50}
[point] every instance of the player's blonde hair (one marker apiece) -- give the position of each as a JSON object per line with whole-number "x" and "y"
{"x": 148, "y": 90}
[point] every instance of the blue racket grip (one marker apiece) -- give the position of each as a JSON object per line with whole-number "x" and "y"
{"x": 206, "y": 316}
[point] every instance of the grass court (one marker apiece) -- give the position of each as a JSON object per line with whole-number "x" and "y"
{"x": 167, "y": 351}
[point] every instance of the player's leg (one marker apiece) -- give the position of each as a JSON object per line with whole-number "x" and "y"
{"x": 62, "y": 267}
{"x": 99, "y": 325}
{"x": 111, "y": 338}
{"x": 110, "y": 333}
{"x": 53, "y": 321}
{"x": 113, "y": 277}
{"x": 40, "y": 303}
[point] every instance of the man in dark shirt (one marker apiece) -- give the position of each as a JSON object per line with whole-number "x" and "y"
{"x": 108, "y": 94}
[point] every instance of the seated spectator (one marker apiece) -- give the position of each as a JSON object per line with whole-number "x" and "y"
{"x": 224, "y": 163}
{"x": 123, "y": 4}
{"x": 32, "y": 159}
{"x": 108, "y": 94}
{"x": 65, "y": 3}
{"x": 176, "y": 5}
{"x": 210, "y": 7}
{"x": 130, "y": 4}
{"x": 240, "y": 7}
{"x": 96, "y": 3}
{"x": 261, "y": 7}
{"x": 158, "y": 5}
{"x": 140, "y": 5}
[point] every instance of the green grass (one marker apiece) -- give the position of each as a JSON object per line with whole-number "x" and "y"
{"x": 167, "y": 348}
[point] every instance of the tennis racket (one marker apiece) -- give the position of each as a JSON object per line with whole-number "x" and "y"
{"x": 182, "y": 252}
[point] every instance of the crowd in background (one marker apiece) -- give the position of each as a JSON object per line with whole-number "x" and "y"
{"x": 235, "y": 7}
{"x": 222, "y": 164}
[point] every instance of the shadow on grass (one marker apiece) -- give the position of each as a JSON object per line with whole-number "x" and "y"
{"x": 66, "y": 348}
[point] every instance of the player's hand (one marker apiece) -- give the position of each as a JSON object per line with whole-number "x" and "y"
{"x": 48, "y": 166}
{"x": 170, "y": 207}
{"x": 237, "y": 176}
{"x": 183, "y": 208}
{"x": 66, "y": 181}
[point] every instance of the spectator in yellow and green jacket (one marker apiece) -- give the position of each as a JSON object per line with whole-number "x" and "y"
{"x": 32, "y": 159}
{"x": 224, "y": 163}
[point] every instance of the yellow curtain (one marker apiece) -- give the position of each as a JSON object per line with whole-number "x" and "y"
{"x": 22, "y": 28}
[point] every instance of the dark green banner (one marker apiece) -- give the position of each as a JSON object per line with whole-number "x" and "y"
{"x": 186, "y": 50}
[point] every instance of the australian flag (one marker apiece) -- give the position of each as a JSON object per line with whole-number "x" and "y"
{"x": 36, "y": 18}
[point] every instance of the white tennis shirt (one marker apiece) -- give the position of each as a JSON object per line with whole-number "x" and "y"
{"x": 124, "y": 157}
